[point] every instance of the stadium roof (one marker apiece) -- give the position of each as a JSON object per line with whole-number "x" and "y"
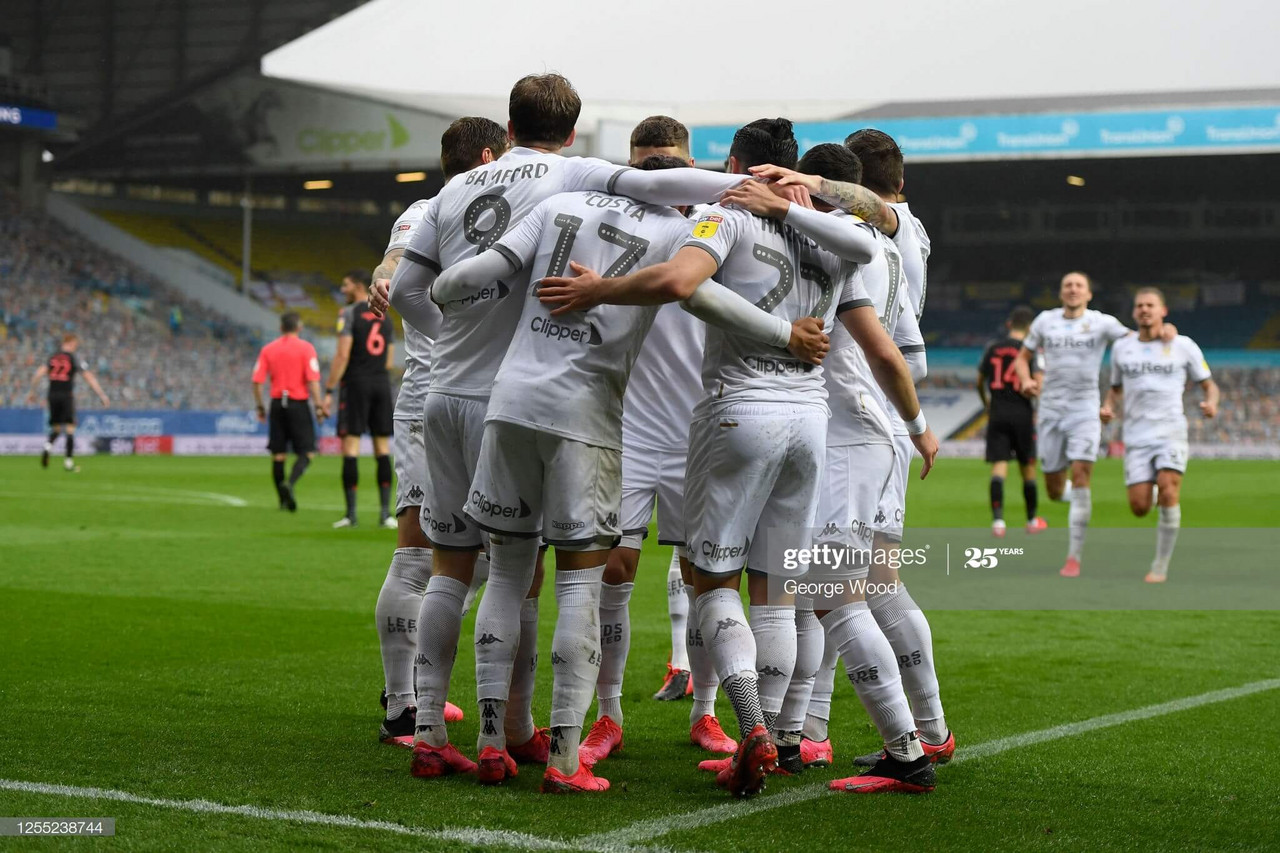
{"x": 1068, "y": 103}
{"x": 102, "y": 63}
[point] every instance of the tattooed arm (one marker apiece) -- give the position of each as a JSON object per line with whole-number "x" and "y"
{"x": 853, "y": 198}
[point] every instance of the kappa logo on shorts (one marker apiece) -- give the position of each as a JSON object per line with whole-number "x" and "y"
{"x": 415, "y": 494}
{"x": 880, "y": 517}
{"x": 611, "y": 519}
{"x": 415, "y": 427}
{"x": 484, "y": 506}
{"x": 830, "y": 530}
{"x": 568, "y": 525}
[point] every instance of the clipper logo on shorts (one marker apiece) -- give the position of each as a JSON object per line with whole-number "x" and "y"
{"x": 861, "y": 529}
{"x": 434, "y": 525}
{"x": 485, "y": 507}
{"x": 716, "y": 551}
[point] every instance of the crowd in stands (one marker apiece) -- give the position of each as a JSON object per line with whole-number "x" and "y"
{"x": 149, "y": 345}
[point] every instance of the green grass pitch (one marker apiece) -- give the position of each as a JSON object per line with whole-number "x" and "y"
{"x": 160, "y": 640}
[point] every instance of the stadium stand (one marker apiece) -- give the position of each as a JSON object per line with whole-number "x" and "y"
{"x": 146, "y": 354}
{"x": 295, "y": 265}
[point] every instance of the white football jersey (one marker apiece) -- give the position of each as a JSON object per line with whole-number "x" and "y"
{"x": 567, "y": 375}
{"x": 665, "y": 383}
{"x": 1154, "y": 375}
{"x": 475, "y": 209}
{"x": 785, "y": 273}
{"x": 417, "y": 345}
{"x": 913, "y": 242}
{"x": 858, "y": 406}
{"x": 1073, "y": 350}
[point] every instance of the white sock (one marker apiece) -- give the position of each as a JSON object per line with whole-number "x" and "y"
{"x": 732, "y": 649}
{"x": 512, "y": 563}
{"x": 1066, "y": 493}
{"x": 907, "y": 630}
{"x": 701, "y": 669}
{"x": 479, "y": 577}
{"x": 575, "y": 662}
{"x": 774, "y": 629}
{"x": 810, "y": 644}
{"x": 1166, "y": 537}
{"x": 615, "y": 643}
{"x": 869, "y": 662}
{"x": 518, "y": 720}
{"x": 819, "y": 714}
{"x": 678, "y": 610}
{"x": 397, "y": 616}
{"x": 1078, "y": 518}
{"x": 441, "y": 622}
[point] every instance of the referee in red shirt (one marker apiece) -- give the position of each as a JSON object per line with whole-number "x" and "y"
{"x": 294, "y": 370}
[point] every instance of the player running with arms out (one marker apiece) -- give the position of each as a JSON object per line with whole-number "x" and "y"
{"x": 855, "y": 513}
{"x": 1151, "y": 373}
{"x": 290, "y": 364}
{"x": 759, "y": 432}
{"x": 474, "y": 211}
{"x": 895, "y": 611}
{"x": 365, "y": 353}
{"x": 1011, "y": 427}
{"x": 61, "y": 368}
{"x": 1074, "y": 339}
{"x": 467, "y": 143}
{"x": 550, "y": 460}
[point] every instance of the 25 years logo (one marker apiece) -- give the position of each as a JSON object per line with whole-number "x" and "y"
{"x": 987, "y": 558}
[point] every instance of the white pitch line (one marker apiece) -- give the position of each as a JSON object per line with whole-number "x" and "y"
{"x": 474, "y": 837}
{"x": 647, "y": 830}
{"x": 144, "y": 495}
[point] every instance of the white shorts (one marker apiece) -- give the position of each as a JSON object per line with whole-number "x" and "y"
{"x": 649, "y": 476}
{"x": 896, "y": 498}
{"x": 1066, "y": 439}
{"x": 855, "y": 501}
{"x": 531, "y": 483}
{"x": 410, "y": 454}
{"x": 1144, "y": 461}
{"x": 454, "y": 428}
{"x": 752, "y": 486}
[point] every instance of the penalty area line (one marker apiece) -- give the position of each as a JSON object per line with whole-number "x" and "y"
{"x": 471, "y": 836}
{"x": 647, "y": 830}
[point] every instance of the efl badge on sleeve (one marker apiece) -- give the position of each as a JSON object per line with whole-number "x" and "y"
{"x": 707, "y": 227}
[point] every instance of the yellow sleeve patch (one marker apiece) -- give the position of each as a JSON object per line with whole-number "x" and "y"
{"x": 707, "y": 227}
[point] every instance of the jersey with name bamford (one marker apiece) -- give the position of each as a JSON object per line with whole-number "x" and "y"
{"x": 858, "y": 413}
{"x": 417, "y": 346}
{"x": 1073, "y": 350}
{"x": 1154, "y": 375}
{"x": 567, "y": 375}
{"x": 785, "y": 273}
{"x": 475, "y": 210}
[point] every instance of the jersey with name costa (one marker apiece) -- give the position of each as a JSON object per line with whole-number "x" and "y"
{"x": 913, "y": 241}
{"x": 1073, "y": 350}
{"x": 785, "y": 273}
{"x": 475, "y": 210}
{"x": 1154, "y": 375}
{"x": 567, "y": 375}
{"x": 858, "y": 406}
{"x": 417, "y": 345}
